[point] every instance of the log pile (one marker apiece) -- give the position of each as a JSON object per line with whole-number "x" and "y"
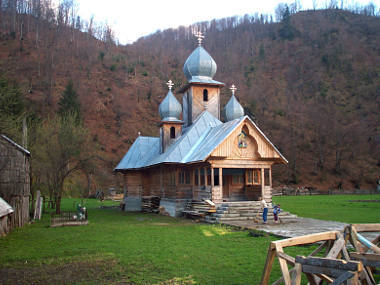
{"x": 150, "y": 204}
{"x": 338, "y": 266}
{"x": 196, "y": 208}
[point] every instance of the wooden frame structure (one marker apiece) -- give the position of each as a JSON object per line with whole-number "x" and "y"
{"x": 336, "y": 267}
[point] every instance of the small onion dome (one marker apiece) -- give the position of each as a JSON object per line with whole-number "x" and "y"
{"x": 170, "y": 109}
{"x": 199, "y": 65}
{"x": 233, "y": 109}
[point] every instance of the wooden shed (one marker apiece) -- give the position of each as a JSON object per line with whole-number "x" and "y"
{"x": 15, "y": 180}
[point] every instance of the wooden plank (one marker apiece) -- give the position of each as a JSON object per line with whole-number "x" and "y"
{"x": 311, "y": 269}
{"x": 368, "y": 259}
{"x": 328, "y": 262}
{"x": 336, "y": 249}
{"x": 288, "y": 258}
{"x": 342, "y": 278}
{"x": 307, "y": 239}
{"x": 297, "y": 274}
{"x": 311, "y": 279}
{"x": 268, "y": 266}
{"x": 283, "y": 266}
{"x": 366, "y": 227}
{"x": 319, "y": 248}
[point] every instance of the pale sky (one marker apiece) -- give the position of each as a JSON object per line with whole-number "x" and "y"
{"x": 131, "y": 19}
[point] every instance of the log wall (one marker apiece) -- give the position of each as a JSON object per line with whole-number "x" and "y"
{"x": 15, "y": 182}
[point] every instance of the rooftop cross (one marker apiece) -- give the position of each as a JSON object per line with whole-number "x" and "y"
{"x": 200, "y": 37}
{"x": 233, "y": 89}
{"x": 170, "y": 84}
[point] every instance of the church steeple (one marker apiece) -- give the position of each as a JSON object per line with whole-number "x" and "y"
{"x": 171, "y": 125}
{"x": 202, "y": 92}
{"x": 233, "y": 109}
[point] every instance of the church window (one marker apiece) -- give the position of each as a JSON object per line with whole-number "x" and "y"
{"x": 205, "y": 95}
{"x": 184, "y": 177}
{"x": 253, "y": 177}
{"x": 172, "y": 133}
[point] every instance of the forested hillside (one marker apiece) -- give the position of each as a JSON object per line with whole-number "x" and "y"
{"x": 311, "y": 82}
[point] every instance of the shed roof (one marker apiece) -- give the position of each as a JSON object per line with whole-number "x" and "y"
{"x": 19, "y": 147}
{"x": 5, "y": 208}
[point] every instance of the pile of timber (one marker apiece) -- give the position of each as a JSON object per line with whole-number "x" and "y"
{"x": 337, "y": 266}
{"x": 150, "y": 204}
{"x": 200, "y": 209}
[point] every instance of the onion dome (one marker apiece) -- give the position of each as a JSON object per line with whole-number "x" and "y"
{"x": 199, "y": 65}
{"x": 233, "y": 109}
{"x": 170, "y": 109}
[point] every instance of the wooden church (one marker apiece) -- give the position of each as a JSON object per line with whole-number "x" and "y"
{"x": 197, "y": 156}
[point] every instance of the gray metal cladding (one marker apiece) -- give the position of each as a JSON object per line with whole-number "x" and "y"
{"x": 233, "y": 109}
{"x": 199, "y": 66}
{"x": 170, "y": 109}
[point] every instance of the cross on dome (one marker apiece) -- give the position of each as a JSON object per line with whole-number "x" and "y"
{"x": 233, "y": 89}
{"x": 199, "y": 36}
{"x": 170, "y": 84}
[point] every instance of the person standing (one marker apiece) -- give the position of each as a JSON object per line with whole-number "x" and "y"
{"x": 276, "y": 212}
{"x": 264, "y": 207}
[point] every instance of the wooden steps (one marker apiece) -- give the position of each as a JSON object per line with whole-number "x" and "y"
{"x": 199, "y": 208}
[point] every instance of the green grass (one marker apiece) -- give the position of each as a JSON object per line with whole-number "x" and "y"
{"x": 152, "y": 249}
{"x": 333, "y": 207}
{"x": 145, "y": 248}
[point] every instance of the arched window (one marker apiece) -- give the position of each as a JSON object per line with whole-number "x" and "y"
{"x": 205, "y": 95}
{"x": 172, "y": 133}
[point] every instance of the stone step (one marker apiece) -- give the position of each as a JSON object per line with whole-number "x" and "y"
{"x": 226, "y": 215}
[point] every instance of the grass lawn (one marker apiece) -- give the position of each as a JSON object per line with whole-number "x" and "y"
{"x": 333, "y": 207}
{"x": 135, "y": 248}
{"x": 132, "y": 248}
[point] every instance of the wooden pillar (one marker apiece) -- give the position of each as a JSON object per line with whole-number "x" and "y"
{"x": 205, "y": 175}
{"x": 125, "y": 185}
{"x": 212, "y": 176}
{"x": 270, "y": 176}
{"x": 162, "y": 184}
{"x": 221, "y": 182}
{"x": 262, "y": 183}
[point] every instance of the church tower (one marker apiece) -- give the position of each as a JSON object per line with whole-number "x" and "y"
{"x": 202, "y": 92}
{"x": 171, "y": 125}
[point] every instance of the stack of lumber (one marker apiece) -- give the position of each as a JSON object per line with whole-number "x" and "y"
{"x": 199, "y": 208}
{"x": 337, "y": 266}
{"x": 150, "y": 204}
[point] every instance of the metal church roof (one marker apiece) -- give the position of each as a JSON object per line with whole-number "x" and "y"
{"x": 195, "y": 144}
{"x": 170, "y": 109}
{"x": 233, "y": 109}
{"x": 143, "y": 150}
{"x": 199, "y": 66}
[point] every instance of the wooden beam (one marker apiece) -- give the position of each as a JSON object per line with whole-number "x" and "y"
{"x": 268, "y": 265}
{"x": 212, "y": 176}
{"x": 283, "y": 266}
{"x": 368, "y": 259}
{"x": 288, "y": 258}
{"x": 344, "y": 277}
{"x": 306, "y": 239}
{"x": 297, "y": 274}
{"x": 366, "y": 227}
{"x": 336, "y": 249}
{"x": 329, "y": 262}
{"x": 319, "y": 248}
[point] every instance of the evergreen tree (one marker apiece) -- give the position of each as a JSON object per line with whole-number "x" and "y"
{"x": 287, "y": 31}
{"x": 69, "y": 102}
{"x": 12, "y": 109}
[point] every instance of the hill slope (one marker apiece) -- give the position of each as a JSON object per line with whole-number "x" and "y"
{"x": 314, "y": 92}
